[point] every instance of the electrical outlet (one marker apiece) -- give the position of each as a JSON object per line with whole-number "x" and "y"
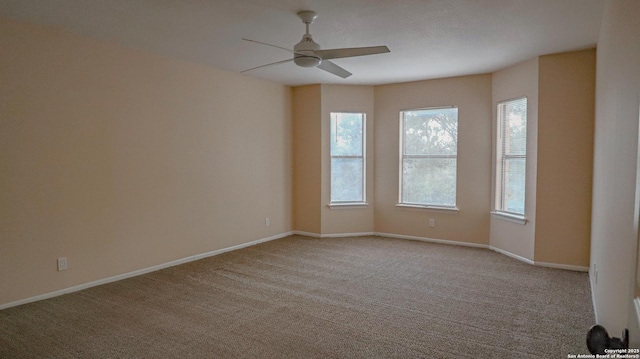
{"x": 432, "y": 222}
{"x": 62, "y": 264}
{"x": 267, "y": 222}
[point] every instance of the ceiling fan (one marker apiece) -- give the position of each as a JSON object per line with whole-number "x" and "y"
{"x": 307, "y": 53}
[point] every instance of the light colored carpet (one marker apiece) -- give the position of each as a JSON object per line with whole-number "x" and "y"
{"x": 299, "y": 297}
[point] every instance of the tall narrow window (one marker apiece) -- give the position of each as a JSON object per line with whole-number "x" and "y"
{"x": 429, "y": 152}
{"x": 511, "y": 159}
{"x": 348, "y": 184}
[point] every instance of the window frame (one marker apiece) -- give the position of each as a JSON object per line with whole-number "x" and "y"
{"x": 401, "y": 203}
{"x": 500, "y": 158}
{"x": 350, "y": 203}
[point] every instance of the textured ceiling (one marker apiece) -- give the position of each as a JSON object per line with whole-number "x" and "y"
{"x": 427, "y": 38}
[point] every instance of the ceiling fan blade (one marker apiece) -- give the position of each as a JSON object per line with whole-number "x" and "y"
{"x": 330, "y": 67}
{"x": 264, "y": 43}
{"x": 273, "y": 63}
{"x": 351, "y": 52}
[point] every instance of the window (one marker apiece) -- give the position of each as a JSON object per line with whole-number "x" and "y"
{"x": 511, "y": 156}
{"x": 429, "y": 151}
{"x": 348, "y": 183}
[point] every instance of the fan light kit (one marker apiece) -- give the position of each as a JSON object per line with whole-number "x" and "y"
{"x": 307, "y": 53}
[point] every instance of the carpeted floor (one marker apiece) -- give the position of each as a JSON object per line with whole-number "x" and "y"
{"x": 298, "y": 297}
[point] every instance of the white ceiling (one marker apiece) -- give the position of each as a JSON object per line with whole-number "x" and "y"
{"x": 427, "y": 38}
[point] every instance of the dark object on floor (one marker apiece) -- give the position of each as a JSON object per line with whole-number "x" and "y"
{"x": 598, "y": 340}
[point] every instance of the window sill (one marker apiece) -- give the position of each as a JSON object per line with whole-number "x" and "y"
{"x": 434, "y": 208}
{"x": 348, "y": 205}
{"x": 510, "y": 217}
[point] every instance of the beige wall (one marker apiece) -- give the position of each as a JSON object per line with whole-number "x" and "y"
{"x": 339, "y": 98}
{"x": 565, "y": 157}
{"x": 614, "y": 230}
{"x": 472, "y": 95}
{"x": 312, "y": 107}
{"x": 307, "y": 157}
{"x": 518, "y": 81}
{"x": 120, "y": 160}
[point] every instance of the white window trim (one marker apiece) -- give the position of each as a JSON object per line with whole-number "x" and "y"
{"x": 348, "y": 205}
{"x": 428, "y": 207}
{"x": 351, "y": 204}
{"x": 510, "y": 217}
{"x": 400, "y": 162}
{"x": 519, "y": 218}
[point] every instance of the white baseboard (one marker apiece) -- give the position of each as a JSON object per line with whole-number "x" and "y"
{"x": 446, "y": 241}
{"x": 139, "y": 272}
{"x": 278, "y": 236}
{"x": 593, "y": 297}
{"x": 334, "y": 235}
{"x": 238, "y": 246}
{"x": 541, "y": 264}
{"x": 307, "y": 234}
{"x": 636, "y": 305}
{"x": 512, "y": 255}
{"x": 563, "y": 266}
{"x": 342, "y": 235}
{"x": 432, "y": 240}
